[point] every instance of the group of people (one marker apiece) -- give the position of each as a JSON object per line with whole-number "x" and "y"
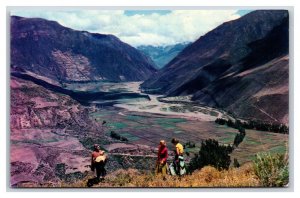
{"x": 177, "y": 167}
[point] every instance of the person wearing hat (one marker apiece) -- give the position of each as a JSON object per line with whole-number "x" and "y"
{"x": 99, "y": 160}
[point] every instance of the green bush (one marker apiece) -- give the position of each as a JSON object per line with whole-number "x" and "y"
{"x": 239, "y": 138}
{"x": 236, "y": 163}
{"x": 272, "y": 169}
{"x": 211, "y": 153}
{"x": 189, "y": 145}
{"x": 118, "y": 137}
{"x": 115, "y": 135}
{"x": 220, "y": 121}
{"x": 242, "y": 130}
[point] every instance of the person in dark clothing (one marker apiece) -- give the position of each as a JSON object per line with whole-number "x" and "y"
{"x": 98, "y": 162}
{"x": 100, "y": 170}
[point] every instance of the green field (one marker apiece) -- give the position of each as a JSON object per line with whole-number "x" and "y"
{"x": 149, "y": 129}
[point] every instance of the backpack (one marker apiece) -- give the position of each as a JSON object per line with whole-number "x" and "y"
{"x": 172, "y": 169}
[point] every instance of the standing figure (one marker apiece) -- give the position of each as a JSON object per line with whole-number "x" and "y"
{"x": 98, "y": 162}
{"x": 162, "y": 155}
{"x": 178, "y": 162}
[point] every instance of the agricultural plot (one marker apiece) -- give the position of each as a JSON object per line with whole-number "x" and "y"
{"x": 260, "y": 141}
{"x": 148, "y": 129}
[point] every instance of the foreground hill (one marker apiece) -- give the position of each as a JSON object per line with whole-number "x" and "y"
{"x": 206, "y": 177}
{"x": 241, "y": 66}
{"x": 46, "y": 48}
{"x": 161, "y": 55}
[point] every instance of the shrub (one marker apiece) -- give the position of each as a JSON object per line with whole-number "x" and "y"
{"x": 236, "y": 163}
{"x": 239, "y": 137}
{"x": 124, "y": 139}
{"x": 118, "y": 137}
{"x": 220, "y": 121}
{"x": 189, "y": 145}
{"x": 272, "y": 169}
{"x": 211, "y": 153}
{"x": 115, "y": 135}
{"x": 242, "y": 130}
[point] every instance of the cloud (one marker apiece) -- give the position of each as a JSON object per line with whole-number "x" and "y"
{"x": 153, "y": 28}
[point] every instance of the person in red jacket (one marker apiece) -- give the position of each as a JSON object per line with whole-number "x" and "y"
{"x": 98, "y": 162}
{"x": 162, "y": 155}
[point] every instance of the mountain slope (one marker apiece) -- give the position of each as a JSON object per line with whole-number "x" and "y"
{"x": 51, "y": 50}
{"x": 259, "y": 90}
{"x": 161, "y": 55}
{"x": 241, "y": 66}
{"x": 45, "y": 132}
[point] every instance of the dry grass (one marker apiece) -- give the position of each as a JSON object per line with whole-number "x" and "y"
{"x": 206, "y": 177}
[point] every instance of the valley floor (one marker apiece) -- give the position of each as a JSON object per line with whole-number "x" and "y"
{"x": 57, "y": 133}
{"x": 169, "y": 106}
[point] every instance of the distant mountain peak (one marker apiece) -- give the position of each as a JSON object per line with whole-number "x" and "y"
{"x": 161, "y": 55}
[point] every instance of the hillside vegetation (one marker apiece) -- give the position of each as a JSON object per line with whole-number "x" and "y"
{"x": 206, "y": 177}
{"x": 265, "y": 171}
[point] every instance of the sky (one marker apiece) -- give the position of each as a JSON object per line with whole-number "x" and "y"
{"x": 140, "y": 27}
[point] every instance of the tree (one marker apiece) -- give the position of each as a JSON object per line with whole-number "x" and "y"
{"x": 213, "y": 154}
{"x": 239, "y": 137}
